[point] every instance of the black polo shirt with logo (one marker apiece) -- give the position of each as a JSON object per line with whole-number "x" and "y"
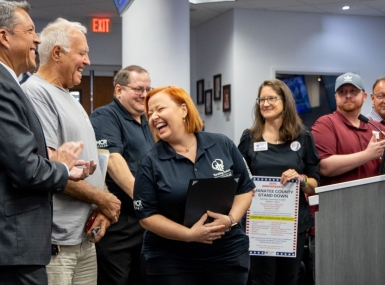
{"x": 117, "y": 131}
{"x": 161, "y": 187}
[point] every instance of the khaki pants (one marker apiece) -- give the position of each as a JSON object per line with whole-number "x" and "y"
{"x": 74, "y": 265}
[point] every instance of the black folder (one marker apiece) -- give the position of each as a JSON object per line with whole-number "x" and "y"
{"x": 213, "y": 194}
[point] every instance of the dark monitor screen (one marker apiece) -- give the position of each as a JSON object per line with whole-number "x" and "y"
{"x": 298, "y": 88}
{"x": 122, "y": 5}
{"x": 329, "y": 82}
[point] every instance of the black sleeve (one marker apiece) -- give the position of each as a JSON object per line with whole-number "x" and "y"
{"x": 244, "y": 146}
{"x": 311, "y": 158}
{"x": 107, "y": 130}
{"x": 146, "y": 202}
{"x": 240, "y": 167}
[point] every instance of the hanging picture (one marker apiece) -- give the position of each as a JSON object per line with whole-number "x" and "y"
{"x": 200, "y": 91}
{"x": 226, "y": 98}
{"x": 217, "y": 87}
{"x": 209, "y": 102}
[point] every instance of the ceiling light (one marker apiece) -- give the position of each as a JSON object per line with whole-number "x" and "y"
{"x": 345, "y": 8}
{"x": 209, "y": 1}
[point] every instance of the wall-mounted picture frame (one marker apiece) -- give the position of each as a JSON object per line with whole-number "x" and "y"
{"x": 226, "y": 103}
{"x": 217, "y": 87}
{"x": 200, "y": 91}
{"x": 209, "y": 102}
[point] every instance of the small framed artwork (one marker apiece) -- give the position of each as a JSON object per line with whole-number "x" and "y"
{"x": 227, "y": 98}
{"x": 200, "y": 91}
{"x": 217, "y": 87}
{"x": 209, "y": 102}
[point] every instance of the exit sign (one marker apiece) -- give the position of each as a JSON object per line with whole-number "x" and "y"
{"x": 101, "y": 25}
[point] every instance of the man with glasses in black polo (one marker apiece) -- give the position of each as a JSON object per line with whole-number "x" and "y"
{"x": 121, "y": 127}
{"x": 378, "y": 101}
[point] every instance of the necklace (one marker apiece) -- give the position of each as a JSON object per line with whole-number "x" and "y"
{"x": 188, "y": 149}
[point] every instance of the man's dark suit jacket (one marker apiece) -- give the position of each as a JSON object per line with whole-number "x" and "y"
{"x": 27, "y": 179}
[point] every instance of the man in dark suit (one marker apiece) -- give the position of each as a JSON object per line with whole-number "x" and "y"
{"x": 27, "y": 177}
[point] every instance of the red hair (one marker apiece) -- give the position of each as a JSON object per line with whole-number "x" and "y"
{"x": 193, "y": 123}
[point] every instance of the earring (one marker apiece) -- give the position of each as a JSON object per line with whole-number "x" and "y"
{"x": 184, "y": 120}
{"x": 283, "y": 112}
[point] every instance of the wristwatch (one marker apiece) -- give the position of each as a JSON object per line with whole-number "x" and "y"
{"x": 232, "y": 223}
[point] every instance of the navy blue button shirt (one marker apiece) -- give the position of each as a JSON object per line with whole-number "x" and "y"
{"x": 161, "y": 187}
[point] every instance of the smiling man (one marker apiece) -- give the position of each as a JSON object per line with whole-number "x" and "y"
{"x": 122, "y": 128}
{"x": 346, "y": 146}
{"x": 27, "y": 177}
{"x": 378, "y": 101}
{"x": 63, "y": 56}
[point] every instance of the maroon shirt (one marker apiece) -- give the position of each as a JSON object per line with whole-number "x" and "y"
{"x": 334, "y": 134}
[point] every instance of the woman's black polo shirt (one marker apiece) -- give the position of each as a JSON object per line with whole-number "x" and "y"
{"x": 161, "y": 186}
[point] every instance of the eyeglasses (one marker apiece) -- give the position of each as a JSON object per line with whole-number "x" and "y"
{"x": 139, "y": 90}
{"x": 379, "y": 96}
{"x": 270, "y": 99}
{"x": 344, "y": 92}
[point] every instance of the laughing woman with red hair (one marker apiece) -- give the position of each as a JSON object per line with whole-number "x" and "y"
{"x": 205, "y": 253}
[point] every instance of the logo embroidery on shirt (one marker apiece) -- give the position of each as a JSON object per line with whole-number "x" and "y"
{"x": 218, "y": 165}
{"x": 137, "y": 204}
{"x": 101, "y": 143}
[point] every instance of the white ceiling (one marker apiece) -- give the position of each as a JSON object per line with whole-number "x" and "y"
{"x": 82, "y": 10}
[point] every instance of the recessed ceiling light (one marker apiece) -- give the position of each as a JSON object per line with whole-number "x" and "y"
{"x": 209, "y": 1}
{"x": 345, "y": 8}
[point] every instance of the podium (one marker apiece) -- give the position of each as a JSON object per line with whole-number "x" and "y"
{"x": 350, "y": 233}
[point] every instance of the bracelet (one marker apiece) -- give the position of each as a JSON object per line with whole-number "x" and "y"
{"x": 233, "y": 224}
{"x": 305, "y": 181}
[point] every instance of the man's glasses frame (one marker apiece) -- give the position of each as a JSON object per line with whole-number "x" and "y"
{"x": 379, "y": 96}
{"x": 139, "y": 90}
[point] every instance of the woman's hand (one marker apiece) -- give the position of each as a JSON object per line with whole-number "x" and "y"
{"x": 291, "y": 174}
{"x": 207, "y": 233}
{"x": 219, "y": 219}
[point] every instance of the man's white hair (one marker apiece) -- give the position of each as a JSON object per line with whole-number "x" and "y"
{"x": 57, "y": 33}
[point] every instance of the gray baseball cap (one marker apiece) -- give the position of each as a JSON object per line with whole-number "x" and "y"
{"x": 349, "y": 78}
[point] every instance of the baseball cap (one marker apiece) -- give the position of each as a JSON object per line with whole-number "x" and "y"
{"x": 349, "y": 78}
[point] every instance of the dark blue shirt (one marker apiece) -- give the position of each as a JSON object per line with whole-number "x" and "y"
{"x": 117, "y": 131}
{"x": 161, "y": 187}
